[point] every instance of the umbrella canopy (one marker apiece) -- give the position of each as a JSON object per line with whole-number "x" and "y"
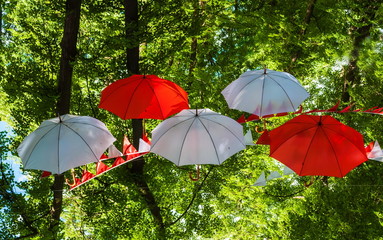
{"x": 143, "y": 96}
{"x": 65, "y": 142}
{"x": 265, "y": 92}
{"x": 197, "y": 137}
{"x": 317, "y": 145}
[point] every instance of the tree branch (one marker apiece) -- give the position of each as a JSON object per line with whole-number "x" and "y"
{"x": 306, "y": 22}
{"x": 11, "y": 198}
{"x": 358, "y": 35}
{"x": 192, "y": 200}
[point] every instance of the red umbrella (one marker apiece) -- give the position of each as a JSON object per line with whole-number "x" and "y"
{"x": 143, "y": 96}
{"x": 317, "y": 145}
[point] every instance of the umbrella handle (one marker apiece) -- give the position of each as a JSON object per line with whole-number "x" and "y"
{"x": 264, "y": 127}
{"x": 258, "y": 131}
{"x": 198, "y": 174}
{"x": 74, "y": 180}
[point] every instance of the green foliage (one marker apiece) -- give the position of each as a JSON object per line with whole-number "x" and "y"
{"x": 202, "y": 46}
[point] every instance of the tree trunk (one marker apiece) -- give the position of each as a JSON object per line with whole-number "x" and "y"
{"x": 358, "y": 35}
{"x": 68, "y": 55}
{"x": 306, "y": 22}
{"x": 132, "y": 63}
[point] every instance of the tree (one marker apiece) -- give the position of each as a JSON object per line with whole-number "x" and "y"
{"x": 334, "y": 49}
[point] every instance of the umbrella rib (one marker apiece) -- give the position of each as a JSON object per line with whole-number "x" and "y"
{"x": 336, "y": 156}
{"x": 153, "y": 144}
{"x": 223, "y": 126}
{"x": 288, "y": 97}
{"x": 308, "y": 149}
{"x": 183, "y": 141}
{"x": 28, "y": 158}
{"x": 131, "y": 97}
{"x": 82, "y": 139}
{"x": 175, "y": 89}
{"x": 250, "y": 82}
{"x": 263, "y": 89}
{"x": 289, "y": 79}
{"x": 88, "y": 124}
{"x": 291, "y": 136}
{"x": 155, "y": 94}
{"x": 345, "y": 138}
{"x": 363, "y": 153}
{"x": 114, "y": 90}
{"x": 58, "y": 149}
{"x": 211, "y": 138}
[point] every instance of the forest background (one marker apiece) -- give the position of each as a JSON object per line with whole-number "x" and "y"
{"x": 57, "y": 56}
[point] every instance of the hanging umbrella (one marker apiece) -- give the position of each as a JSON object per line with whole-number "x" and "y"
{"x": 65, "y": 142}
{"x": 265, "y": 92}
{"x": 317, "y": 145}
{"x": 143, "y": 96}
{"x": 197, "y": 136}
{"x": 374, "y": 152}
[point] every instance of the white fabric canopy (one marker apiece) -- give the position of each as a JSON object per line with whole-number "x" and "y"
{"x": 265, "y": 92}
{"x": 197, "y": 137}
{"x": 65, "y": 142}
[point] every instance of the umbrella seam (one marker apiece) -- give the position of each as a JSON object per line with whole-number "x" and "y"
{"x": 28, "y": 158}
{"x": 113, "y": 90}
{"x": 82, "y": 139}
{"x": 131, "y": 97}
{"x": 175, "y": 89}
{"x": 250, "y": 82}
{"x": 100, "y": 128}
{"x": 165, "y": 132}
{"x": 154, "y": 143}
{"x": 211, "y": 138}
{"x": 291, "y": 135}
{"x": 158, "y": 101}
{"x": 183, "y": 141}
{"x": 289, "y": 79}
{"x": 363, "y": 153}
{"x": 224, "y": 126}
{"x": 263, "y": 89}
{"x": 308, "y": 149}
{"x": 288, "y": 97}
{"x": 58, "y": 148}
{"x": 336, "y": 156}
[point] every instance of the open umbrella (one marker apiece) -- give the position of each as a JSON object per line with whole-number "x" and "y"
{"x": 65, "y": 142}
{"x": 265, "y": 92}
{"x": 143, "y": 96}
{"x": 317, "y": 145}
{"x": 197, "y": 136}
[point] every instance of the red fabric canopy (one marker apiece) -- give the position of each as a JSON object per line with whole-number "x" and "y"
{"x": 143, "y": 96}
{"x": 317, "y": 145}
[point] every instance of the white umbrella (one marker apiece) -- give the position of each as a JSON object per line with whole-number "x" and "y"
{"x": 65, "y": 142}
{"x": 197, "y": 137}
{"x": 265, "y": 92}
